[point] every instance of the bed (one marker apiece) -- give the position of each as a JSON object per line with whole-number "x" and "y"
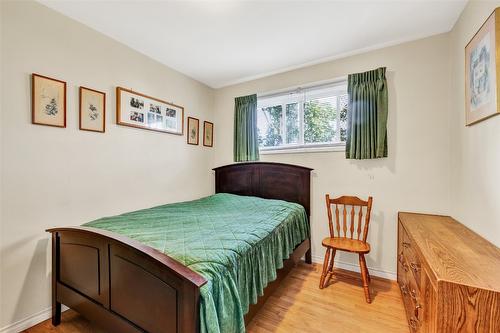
{"x": 206, "y": 265}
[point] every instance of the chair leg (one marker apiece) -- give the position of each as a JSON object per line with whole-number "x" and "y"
{"x": 329, "y": 273}
{"x": 364, "y": 277}
{"x": 367, "y": 271}
{"x": 325, "y": 268}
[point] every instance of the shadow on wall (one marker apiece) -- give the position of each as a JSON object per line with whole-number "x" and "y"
{"x": 390, "y": 161}
{"x": 374, "y": 258}
{"x": 35, "y": 278}
{"x": 376, "y": 226}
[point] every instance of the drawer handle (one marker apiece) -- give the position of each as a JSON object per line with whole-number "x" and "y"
{"x": 413, "y": 323}
{"x": 401, "y": 258}
{"x": 405, "y": 267}
{"x": 417, "y": 307}
{"x": 406, "y": 244}
{"x": 404, "y": 290}
{"x": 415, "y": 267}
{"x": 413, "y": 294}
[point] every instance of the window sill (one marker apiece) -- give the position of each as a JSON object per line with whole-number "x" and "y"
{"x": 299, "y": 150}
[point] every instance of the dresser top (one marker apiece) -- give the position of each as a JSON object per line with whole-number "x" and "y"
{"x": 453, "y": 252}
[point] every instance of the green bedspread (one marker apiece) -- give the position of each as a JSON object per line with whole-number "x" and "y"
{"x": 236, "y": 242}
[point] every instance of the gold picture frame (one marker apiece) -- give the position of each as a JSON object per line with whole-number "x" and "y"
{"x": 92, "y": 110}
{"x": 482, "y": 72}
{"x": 48, "y": 101}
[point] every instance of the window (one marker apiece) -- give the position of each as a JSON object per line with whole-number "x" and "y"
{"x": 304, "y": 118}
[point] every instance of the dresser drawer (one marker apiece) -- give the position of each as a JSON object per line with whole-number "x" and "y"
{"x": 411, "y": 297}
{"x": 415, "y": 295}
{"x": 413, "y": 321}
{"x": 408, "y": 249}
{"x": 409, "y": 280}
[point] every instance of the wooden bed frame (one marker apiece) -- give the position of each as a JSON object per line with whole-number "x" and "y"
{"x": 125, "y": 286}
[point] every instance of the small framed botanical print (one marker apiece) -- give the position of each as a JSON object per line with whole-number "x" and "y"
{"x": 92, "y": 110}
{"x": 193, "y": 131}
{"x": 482, "y": 72}
{"x": 208, "y": 134}
{"x": 48, "y": 101}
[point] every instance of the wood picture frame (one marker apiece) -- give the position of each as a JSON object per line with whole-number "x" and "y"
{"x": 482, "y": 71}
{"x": 94, "y": 103}
{"x": 138, "y": 110}
{"x": 48, "y": 101}
{"x": 193, "y": 131}
{"x": 208, "y": 134}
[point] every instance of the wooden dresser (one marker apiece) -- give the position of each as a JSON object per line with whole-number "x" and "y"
{"x": 448, "y": 275}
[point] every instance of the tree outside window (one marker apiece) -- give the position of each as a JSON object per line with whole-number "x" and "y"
{"x": 311, "y": 121}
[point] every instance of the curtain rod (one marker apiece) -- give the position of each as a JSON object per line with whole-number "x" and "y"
{"x": 297, "y": 89}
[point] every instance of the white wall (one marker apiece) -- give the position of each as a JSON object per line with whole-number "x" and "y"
{"x": 1, "y": 155}
{"x": 55, "y": 177}
{"x": 415, "y": 176}
{"x": 475, "y": 153}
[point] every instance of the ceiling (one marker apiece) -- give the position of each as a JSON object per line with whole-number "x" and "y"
{"x": 225, "y": 42}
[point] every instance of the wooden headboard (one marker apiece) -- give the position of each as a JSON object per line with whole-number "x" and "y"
{"x": 266, "y": 180}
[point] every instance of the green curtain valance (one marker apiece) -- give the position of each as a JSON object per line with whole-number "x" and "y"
{"x": 246, "y": 139}
{"x": 367, "y": 115}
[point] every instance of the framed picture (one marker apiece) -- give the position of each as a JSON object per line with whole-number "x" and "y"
{"x": 208, "y": 134}
{"x": 92, "y": 110}
{"x": 48, "y": 101}
{"x": 193, "y": 131}
{"x": 482, "y": 72}
{"x": 142, "y": 111}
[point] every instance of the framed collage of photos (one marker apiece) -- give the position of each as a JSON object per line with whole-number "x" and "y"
{"x": 138, "y": 110}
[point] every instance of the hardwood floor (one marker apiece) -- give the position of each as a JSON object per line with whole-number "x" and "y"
{"x": 298, "y": 305}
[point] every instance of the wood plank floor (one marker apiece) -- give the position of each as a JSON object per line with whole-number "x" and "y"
{"x": 298, "y": 305}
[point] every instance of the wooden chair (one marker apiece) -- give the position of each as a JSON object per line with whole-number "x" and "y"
{"x": 356, "y": 242}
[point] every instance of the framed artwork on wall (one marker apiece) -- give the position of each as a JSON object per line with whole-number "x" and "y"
{"x": 48, "y": 101}
{"x": 482, "y": 97}
{"x": 193, "y": 131}
{"x": 92, "y": 110}
{"x": 141, "y": 111}
{"x": 208, "y": 134}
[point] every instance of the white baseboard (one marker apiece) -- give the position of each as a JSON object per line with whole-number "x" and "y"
{"x": 30, "y": 321}
{"x": 355, "y": 268}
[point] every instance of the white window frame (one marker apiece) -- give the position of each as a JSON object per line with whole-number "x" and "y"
{"x": 301, "y": 95}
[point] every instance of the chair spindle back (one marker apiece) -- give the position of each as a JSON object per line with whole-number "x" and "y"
{"x": 346, "y": 229}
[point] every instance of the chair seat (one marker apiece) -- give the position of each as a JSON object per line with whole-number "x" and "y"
{"x": 346, "y": 244}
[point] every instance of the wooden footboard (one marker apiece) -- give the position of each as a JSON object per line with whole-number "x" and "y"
{"x": 125, "y": 286}
{"x": 121, "y": 284}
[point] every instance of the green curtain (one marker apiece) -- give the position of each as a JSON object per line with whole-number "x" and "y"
{"x": 246, "y": 139}
{"x": 367, "y": 115}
